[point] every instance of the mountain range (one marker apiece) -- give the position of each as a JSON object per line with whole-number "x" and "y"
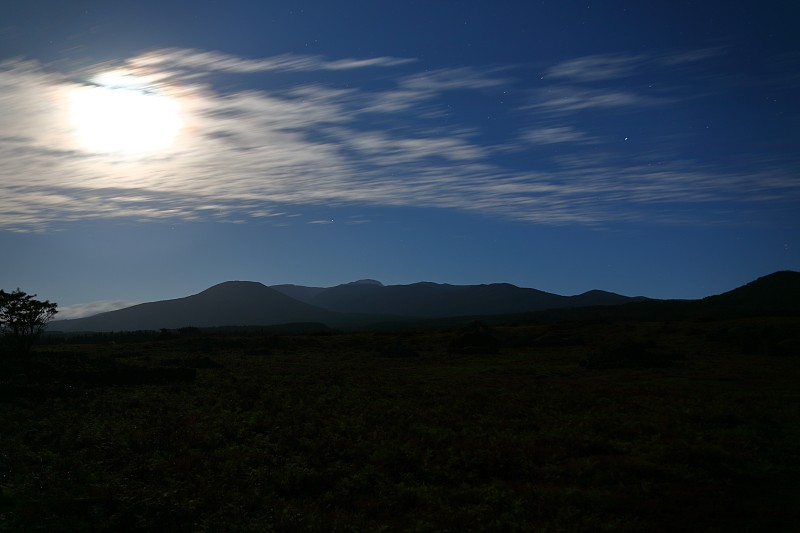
{"x": 248, "y": 303}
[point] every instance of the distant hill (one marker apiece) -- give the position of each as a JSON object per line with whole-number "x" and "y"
{"x": 603, "y": 298}
{"x": 233, "y": 303}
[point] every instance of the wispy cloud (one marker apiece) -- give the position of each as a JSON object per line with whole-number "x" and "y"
{"x": 595, "y": 68}
{"x": 608, "y": 80}
{"x": 257, "y": 153}
{"x": 691, "y": 56}
{"x": 210, "y": 61}
{"x": 557, "y": 135}
{"x": 417, "y": 89}
{"x": 450, "y": 79}
{"x": 607, "y": 67}
{"x": 567, "y": 99}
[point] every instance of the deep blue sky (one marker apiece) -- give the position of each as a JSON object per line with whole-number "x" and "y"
{"x": 639, "y": 147}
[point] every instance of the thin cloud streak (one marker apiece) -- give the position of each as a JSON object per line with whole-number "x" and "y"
{"x": 692, "y": 56}
{"x": 557, "y": 135}
{"x": 209, "y": 61}
{"x": 595, "y": 68}
{"x": 569, "y": 99}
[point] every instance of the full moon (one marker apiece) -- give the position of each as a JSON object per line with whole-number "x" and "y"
{"x": 119, "y": 113}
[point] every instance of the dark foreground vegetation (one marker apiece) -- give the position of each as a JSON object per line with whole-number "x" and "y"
{"x": 569, "y": 426}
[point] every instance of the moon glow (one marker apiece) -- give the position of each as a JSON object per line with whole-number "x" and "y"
{"x": 119, "y": 114}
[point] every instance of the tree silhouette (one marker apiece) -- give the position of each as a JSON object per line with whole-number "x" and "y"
{"x": 23, "y": 318}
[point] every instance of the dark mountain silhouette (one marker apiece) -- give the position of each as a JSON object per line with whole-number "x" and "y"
{"x": 435, "y": 300}
{"x": 233, "y": 303}
{"x": 298, "y": 292}
{"x": 364, "y": 302}
{"x": 307, "y": 294}
{"x": 778, "y": 292}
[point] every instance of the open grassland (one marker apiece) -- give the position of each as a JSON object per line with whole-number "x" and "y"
{"x": 555, "y": 427}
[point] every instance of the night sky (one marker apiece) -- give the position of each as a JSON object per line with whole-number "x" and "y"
{"x": 149, "y": 150}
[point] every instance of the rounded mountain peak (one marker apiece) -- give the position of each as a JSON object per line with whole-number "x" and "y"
{"x": 367, "y": 282}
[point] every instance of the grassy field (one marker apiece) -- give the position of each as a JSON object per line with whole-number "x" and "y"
{"x": 554, "y": 427}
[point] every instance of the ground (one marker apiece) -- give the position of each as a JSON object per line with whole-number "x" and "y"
{"x": 571, "y": 426}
